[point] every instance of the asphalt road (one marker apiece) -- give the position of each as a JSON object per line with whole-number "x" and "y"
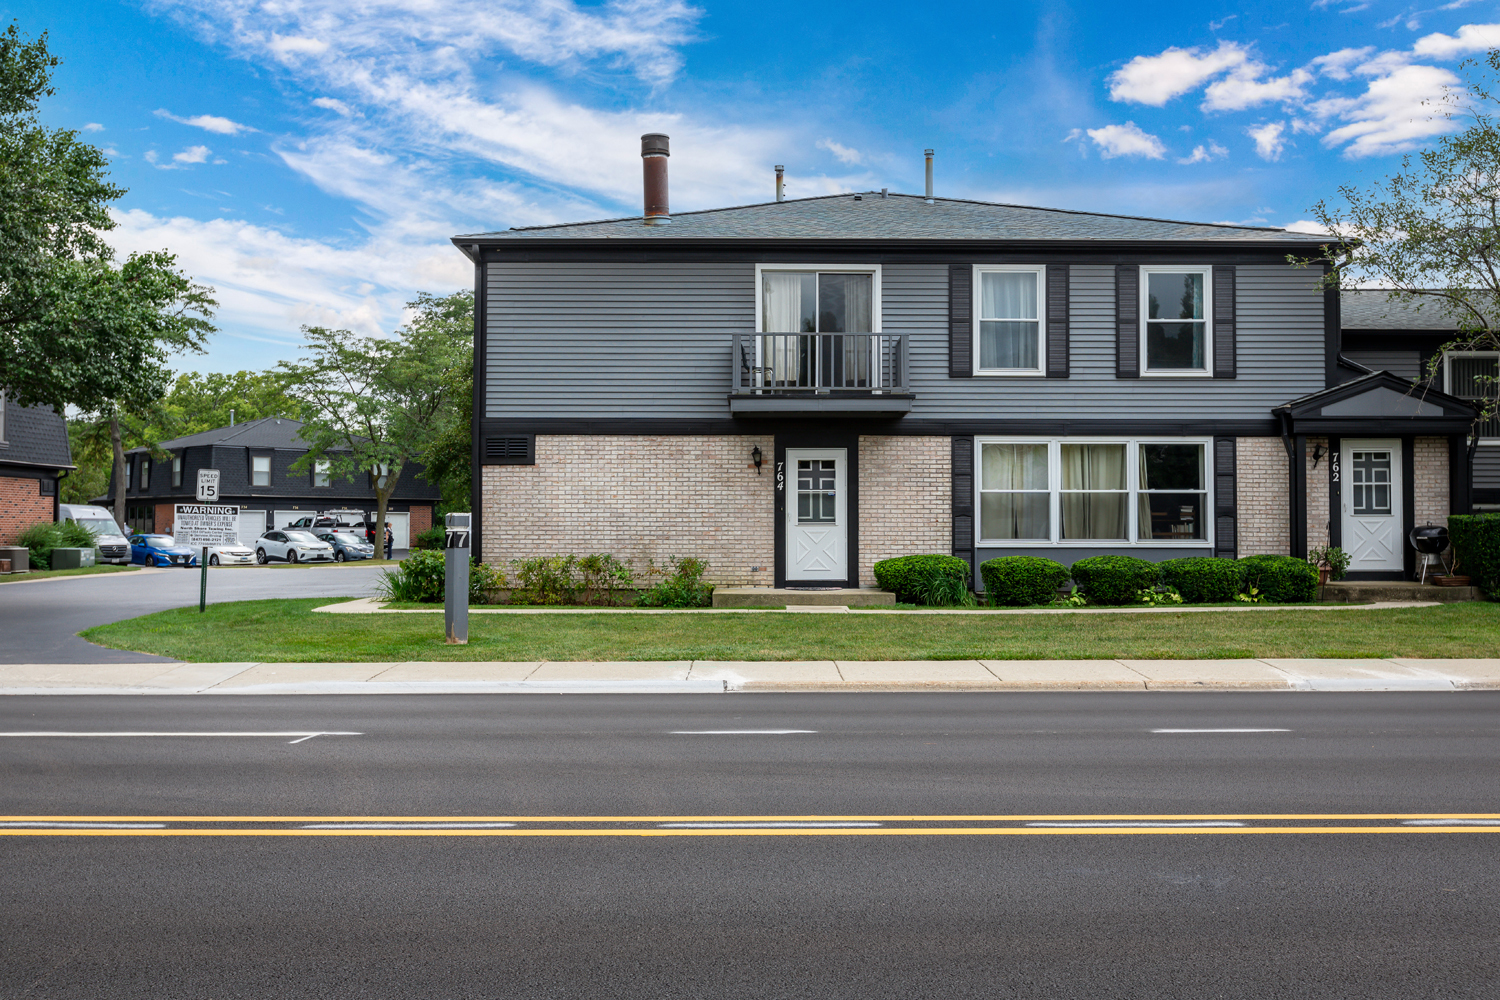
{"x": 595, "y": 892}
{"x": 40, "y": 619}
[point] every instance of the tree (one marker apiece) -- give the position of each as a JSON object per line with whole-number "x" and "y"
{"x": 75, "y": 328}
{"x": 449, "y": 462}
{"x": 1430, "y": 233}
{"x": 374, "y": 404}
{"x": 201, "y": 402}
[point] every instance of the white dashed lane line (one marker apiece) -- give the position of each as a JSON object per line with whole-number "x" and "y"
{"x": 1221, "y": 730}
{"x": 741, "y": 732}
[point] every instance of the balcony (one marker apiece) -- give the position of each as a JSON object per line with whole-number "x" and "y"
{"x": 820, "y": 375}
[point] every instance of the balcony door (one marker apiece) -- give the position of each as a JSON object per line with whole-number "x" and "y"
{"x": 1370, "y": 495}
{"x": 817, "y": 515}
{"x": 815, "y": 329}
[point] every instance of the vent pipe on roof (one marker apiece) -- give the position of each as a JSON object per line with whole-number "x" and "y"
{"x": 780, "y": 192}
{"x": 928, "y": 153}
{"x": 654, "y": 153}
{"x": 231, "y": 418}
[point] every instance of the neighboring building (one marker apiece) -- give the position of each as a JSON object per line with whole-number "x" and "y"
{"x": 254, "y": 460}
{"x": 1403, "y": 338}
{"x": 34, "y": 456}
{"x": 797, "y": 389}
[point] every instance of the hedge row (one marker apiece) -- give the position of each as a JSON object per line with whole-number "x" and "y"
{"x": 1023, "y": 580}
{"x": 1476, "y": 549}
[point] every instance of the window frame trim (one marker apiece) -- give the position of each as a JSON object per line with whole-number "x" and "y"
{"x": 1448, "y": 356}
{"x": 177, "y": 469}
{"x": 1132, "y": 493}
{"x": 875, "y": 292}
{"x": 270, "y": 458}
{"x": 326, "y": 472}
{"x": 1040, "y": 270}
{"x": 1143, "y": 296}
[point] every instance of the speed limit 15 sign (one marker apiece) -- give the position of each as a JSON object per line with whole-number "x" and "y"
{"x": 208, "y": 485}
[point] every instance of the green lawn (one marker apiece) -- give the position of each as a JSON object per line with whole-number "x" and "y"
{"x": 43, "y": 574}
{"x": 288, "y": 630}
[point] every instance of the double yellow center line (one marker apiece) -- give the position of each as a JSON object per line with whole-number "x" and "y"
{"x": 1048, "y": 825}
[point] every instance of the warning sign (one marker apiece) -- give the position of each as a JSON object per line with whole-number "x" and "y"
{"x": 200, "y": 524}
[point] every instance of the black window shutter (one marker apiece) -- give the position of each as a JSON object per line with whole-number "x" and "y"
{"x": 1057, "y": 320}
{"x": 1224, "y": 493}
{"x": 963, "y": 499}
{"x": 960, "y": 321}
{"x": 1224, "y": 322}
{"x": 1127, "y": 321}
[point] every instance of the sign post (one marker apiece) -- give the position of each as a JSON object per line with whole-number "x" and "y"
{"x": 456, "y": 578}
{"x": 205, "y": 525}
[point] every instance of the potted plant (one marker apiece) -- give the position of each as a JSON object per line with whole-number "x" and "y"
{"x": 1332, "y": 562}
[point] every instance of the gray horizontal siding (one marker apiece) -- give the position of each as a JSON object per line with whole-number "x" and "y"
{"x": 1487, "y": 467}
{"x": 645, "y": 340}
{"x": 1407, "y": 364}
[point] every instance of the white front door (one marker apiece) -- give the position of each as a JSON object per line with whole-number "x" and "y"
{"x": 817, "y": 514}
{"x": 1371, "y": 497}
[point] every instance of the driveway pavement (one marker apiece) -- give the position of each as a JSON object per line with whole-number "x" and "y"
{"x": 40, "y": 619}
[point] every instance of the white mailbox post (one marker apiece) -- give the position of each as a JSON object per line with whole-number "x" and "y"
{"x": 456, "y": 577}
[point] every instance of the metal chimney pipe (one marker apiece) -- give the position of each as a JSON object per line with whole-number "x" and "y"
{"x": 928, "y": 154}
{"x": 654, "y": 153}
{"x": 780, "y": 193}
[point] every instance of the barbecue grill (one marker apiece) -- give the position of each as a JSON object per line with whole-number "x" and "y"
{"x": 1430, "y": 541}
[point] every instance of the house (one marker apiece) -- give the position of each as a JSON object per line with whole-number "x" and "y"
{"x": 34, "y": 457}
{"x": 1404, "y": 338}
{"x": 796, "y": 389}
{"x": 255, "y": 460}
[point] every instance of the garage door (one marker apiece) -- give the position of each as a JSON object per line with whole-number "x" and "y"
{"x": 252, "y": 523}
{"x": 286, "y": 517}
{"x": 400, "y": 528}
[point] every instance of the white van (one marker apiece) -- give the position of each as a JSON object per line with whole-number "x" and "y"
{"x": 113, "y": 547}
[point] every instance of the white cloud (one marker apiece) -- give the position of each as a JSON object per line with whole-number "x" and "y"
{"x": 843, "y": 153}
{"x": 1155, "y": 80}
{"x": 1307, "y": 226}
{"x": 287, "y": 46}
{"x": 1268, "y": 140}
{"x": 1471, "y": 38}
{"x": 1205, "y": 154}
{"x": 1243, "y": 88}
{"x": 1126, "y": 140}
{"x": 1394, "y": 115}
{"x": 93, "y": 127}
{"x": 333, "y": 104}
{"x": 1216, "y": 25}
{"x": 193, "y": 154}
{"x": 209, "y": 123}
{"x": 1336, "y": 65}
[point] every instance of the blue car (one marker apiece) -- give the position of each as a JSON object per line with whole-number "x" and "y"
{"x": 161, "y": 550}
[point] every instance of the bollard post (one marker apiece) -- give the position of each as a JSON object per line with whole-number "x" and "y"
{"x": 203, "y": 580}
{"x": 456, "y": 578}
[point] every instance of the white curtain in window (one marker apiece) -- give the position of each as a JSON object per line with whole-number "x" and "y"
{"x": 1007, "y": 320}
{"x": 1094, "y": 467}
{"x": 1014, "y": 467}
{"x": 782, "y": 310}
{"x": 1008, "y": 295}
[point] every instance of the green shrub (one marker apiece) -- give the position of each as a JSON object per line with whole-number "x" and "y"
{"x": 41, "y": 539}
{"x": 1281, "y": 579}
{"x": 1476, "y": 549}
{"x": 1204, "y": 580}
{"x": 433, "y": 538}
{"x": 1021, "y": 580}
{"x": 418, "y": 577}
{"x": 605, "y": 579}
{"x": 682, "y": 588}
{"x": 545, "y": 580}
{"x": 1114, "y": 579}
{"x": 931, "y": 579}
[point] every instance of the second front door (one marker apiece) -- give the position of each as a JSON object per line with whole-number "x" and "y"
{"x": 817, "y": 515}
{"x": 1371, "y": 493}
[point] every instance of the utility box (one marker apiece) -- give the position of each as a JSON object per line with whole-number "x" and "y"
{"x": 72, "y": 558}
{"x": 19, "y": 556}
{"x": 456, "y": 546}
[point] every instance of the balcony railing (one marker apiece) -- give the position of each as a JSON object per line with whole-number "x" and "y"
{"x": 820, "y": 363}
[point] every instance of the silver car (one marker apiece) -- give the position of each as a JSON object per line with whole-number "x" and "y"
{"x": 291, "y": 545}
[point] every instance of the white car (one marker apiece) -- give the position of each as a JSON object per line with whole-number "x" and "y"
{"x": 291, "y": 545}
{"x": 230, "y": 555}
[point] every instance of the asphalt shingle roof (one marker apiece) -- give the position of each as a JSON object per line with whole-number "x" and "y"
{"x": 268, "y": 432}
{"x": 869, "y": 216}
{"x": 35, "y": 435}
{"x": 1373, "y": 309}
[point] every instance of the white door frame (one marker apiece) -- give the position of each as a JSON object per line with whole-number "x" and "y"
{"x": 837, "y": 570}
{"x": 1375, "y": 544}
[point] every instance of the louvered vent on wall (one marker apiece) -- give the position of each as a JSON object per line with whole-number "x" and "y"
{"x": 513, "y": 450}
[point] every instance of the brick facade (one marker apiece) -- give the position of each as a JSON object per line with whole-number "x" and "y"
{"x": 21, "y": 506}
{"x": 1318, "y": 514}
{"x": 1430, "y": 480}
{"x": 638, "y": 497}
{"x": 165, "y": 518}
{"x": 421, "y": 520}
{"x": 905, "y": 506}
{"x": 1260, "y": 472}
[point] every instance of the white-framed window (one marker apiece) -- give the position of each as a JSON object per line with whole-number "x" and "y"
{"x": 1010, "y": 304}
{"x": 1094, "y": 491}
{"x": 1465, "y": 374}
{"x": 260, "y": 470}
{"x": 177, "y": 471}
{"x": 320, "y": 476}
{"x": 1176, "y": 324}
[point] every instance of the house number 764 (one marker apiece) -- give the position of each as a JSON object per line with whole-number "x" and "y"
{"x": 780, "y": 476}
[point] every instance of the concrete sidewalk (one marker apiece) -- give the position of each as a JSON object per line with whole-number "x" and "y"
{"x": 718, "y": 677}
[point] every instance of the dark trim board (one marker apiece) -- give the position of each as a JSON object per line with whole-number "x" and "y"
{"x": 786, "y": 482}
{"x": 819, "y": 251}
{"x": 1460, "y": 477}
{"x": 908, "y": 427}
{"x": 480, "y": 390}
{"x": 1409, "y": 500}
{"x": 1297, "y": 484}
{"x": 1335, "y": 492}
{"x": 1376, "y": 575}
{"x": 1332, "y": 330}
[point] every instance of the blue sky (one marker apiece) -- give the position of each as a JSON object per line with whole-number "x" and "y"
{"x": 310, "y": 158}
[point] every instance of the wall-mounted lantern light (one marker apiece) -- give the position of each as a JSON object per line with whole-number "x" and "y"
{"x": 1318, "y": 452}
{"x": 757, "y": 458}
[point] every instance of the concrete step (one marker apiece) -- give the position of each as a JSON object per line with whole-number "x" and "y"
{"x": 779, "y": 597}
{"x": 1362, "y": 591}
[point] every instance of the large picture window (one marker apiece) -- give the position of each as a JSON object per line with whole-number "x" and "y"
{"x": 816, "y": 326}
{"x": 1175, "y": 327}
{"x": 1008, "y": 320}
{"x": 1093, "y": 492}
